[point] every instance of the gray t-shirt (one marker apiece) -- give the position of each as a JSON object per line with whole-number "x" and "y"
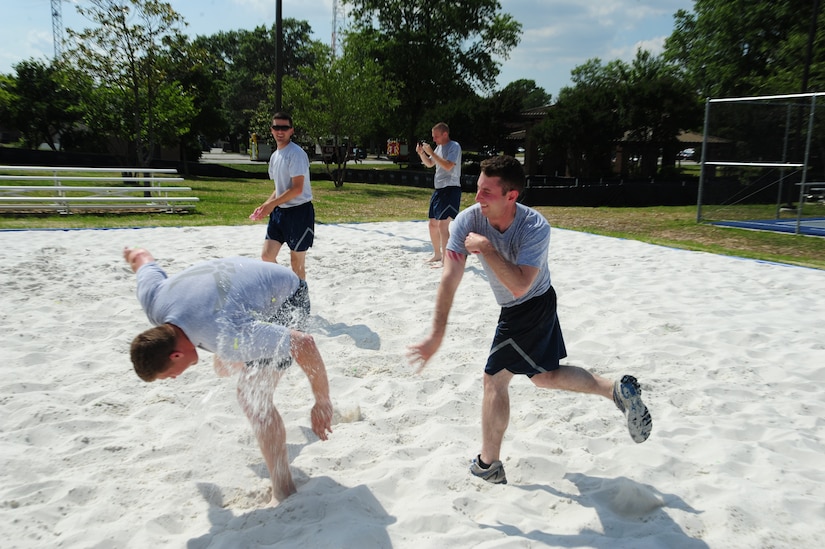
{"x": 525, "y": 242}
{"x": 222, "y": 305}
{"x": 286, "y": 163}
{"x": 443, "y": 178}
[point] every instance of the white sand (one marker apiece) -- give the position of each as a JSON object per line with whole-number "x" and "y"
{"x": 730, "y": 354}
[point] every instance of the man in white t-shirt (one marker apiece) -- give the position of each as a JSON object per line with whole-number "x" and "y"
{"x": 250, "y": 314}
{"x": 512, "y": 242}
{"x": 289, "y": 207}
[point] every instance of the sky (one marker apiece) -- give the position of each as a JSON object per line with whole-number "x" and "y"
{"x": 557, "y": 35}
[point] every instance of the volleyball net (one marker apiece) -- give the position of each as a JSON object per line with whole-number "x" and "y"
{"x": 762, "y": 161}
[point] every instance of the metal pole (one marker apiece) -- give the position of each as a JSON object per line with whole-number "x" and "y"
{"x": 279, "y": 55}
{"x": 702, "y": 160}
{"x": 805, "y": 167}
{"x": 784, "y": 159}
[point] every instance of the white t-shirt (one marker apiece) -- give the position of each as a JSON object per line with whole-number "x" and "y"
{"x": 286, "y": 163}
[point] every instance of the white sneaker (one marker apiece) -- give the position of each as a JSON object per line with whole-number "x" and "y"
{"x": 627, "y": 394}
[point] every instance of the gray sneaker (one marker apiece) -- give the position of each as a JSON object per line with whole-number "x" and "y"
{"x": 493, "y": 474}
{"x": 627, "y": 394}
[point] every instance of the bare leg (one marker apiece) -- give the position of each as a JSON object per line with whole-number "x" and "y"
{"x": 495, "y": 414}
{"x": 298, "y": 262}
{"x": 444, "y": 234}
{"x": 255, "y": 390}
{"x": 270, "y": 250}
{"x": 435, "y": 239}
{"x": 573, "y": 378}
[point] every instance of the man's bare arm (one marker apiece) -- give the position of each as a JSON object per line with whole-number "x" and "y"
{"x": 308, "y": 357}
{"x": 421, "y": 353}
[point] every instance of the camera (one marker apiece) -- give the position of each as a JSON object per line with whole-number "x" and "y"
{"x": 421, "y": 142}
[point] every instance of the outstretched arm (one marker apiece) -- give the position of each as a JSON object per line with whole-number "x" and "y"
{"x": 308, "y": 357}
{"x": 137, "y": 257}
{"x": 451, "y": 276}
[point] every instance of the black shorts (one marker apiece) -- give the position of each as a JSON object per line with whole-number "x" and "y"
{"x": 292, "y": 314}
{"x": 528, "y": 338}
{"x": 445, "y": 203}
{"x": 294, "y": 226}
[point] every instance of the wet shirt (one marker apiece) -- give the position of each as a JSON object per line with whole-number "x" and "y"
{"x": 525, "y": 242}
{"x": 222, "y": 305}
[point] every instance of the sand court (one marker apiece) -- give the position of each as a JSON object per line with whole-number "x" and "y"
{"x": 730, "y": 354}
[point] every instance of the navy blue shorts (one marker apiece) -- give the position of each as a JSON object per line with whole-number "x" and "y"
{"x": 445, "y": 203}
{"x": 528, "y": 338}
{"x": 292, "y": 314}
{"x": 294, "y": 226}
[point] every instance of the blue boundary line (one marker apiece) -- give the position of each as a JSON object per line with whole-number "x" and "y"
{"x": 809, "y": 226}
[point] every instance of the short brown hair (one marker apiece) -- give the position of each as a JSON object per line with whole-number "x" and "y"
{"x": 150, "y": 351}
{"x": 507, "y": 169}
{"x": 281, "y": 115}
{"x": 442, "y": 127}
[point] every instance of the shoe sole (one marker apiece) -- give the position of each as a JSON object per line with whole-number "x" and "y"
{"x": 639, "y": 422}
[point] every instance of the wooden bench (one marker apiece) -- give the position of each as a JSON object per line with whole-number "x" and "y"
{"x": 142, "y": 189}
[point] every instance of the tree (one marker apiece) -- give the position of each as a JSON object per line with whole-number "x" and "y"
{"x": 504, "y": 108}
{"x": 192, "y": 67}
{"x": 42, "y": 103}
{"x": 7, "y": 99}
{"x": 655, "y": 105}
{"x": 583, "y": 126}
{"x": 646, "y": 103}
{"x": 748, "y": 47}
{"x": 133, "y": 98}
{"x": 244, "y": 61}
{"x": 339, "y": 97}
{"x": 435, "y": 51}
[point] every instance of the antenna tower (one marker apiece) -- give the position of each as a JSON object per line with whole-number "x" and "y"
{"x": 57, "y": 27}
{"x": 339, "y": 17}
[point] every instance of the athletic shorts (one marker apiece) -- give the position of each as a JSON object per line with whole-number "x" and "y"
{"x": 445, "y": 203}
{"x": 294, "y": 226}
{"x": 292, "y": 314}
{"x": 528, "y": 338}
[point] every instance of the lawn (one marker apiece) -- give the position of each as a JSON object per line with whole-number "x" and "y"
{"x": 230, "y": 201}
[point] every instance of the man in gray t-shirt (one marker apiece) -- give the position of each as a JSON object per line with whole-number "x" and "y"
{"x": 249, "y": 314}
{"x": 446, "y": 198}
{"x": 512, "y": 242}
{"x": 289, "y": 207}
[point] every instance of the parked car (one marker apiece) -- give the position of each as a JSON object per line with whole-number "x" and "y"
{"x": 686, "y": 154}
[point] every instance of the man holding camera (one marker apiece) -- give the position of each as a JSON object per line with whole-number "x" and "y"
{"x": 446, "y": 199}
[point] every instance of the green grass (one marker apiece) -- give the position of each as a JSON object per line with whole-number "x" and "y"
{"x": 230, "y": 201}
{"x": 676, "y": 226}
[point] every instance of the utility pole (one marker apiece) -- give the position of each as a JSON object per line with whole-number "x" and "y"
{"x": 57, "y": 27}
{"x": 279, "y": 55}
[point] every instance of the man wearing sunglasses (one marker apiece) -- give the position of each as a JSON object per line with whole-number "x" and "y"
{"x": 289, "y": 207}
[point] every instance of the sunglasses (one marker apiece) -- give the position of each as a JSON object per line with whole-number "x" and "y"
{"x": 278, "y": 128}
